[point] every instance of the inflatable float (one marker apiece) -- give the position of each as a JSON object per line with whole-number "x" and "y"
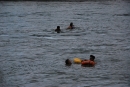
{"x": 88, "y": 63}
{"x": 77, "y": 60}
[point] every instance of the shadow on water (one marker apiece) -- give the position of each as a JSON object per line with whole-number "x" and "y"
{"x": 122, "y": 14}
{"x": 1, "y": 79}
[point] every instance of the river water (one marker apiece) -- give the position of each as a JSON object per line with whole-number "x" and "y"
{"x": 33, "y": 55}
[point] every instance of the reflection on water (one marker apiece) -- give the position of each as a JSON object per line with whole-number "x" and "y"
{"x": 33, "y": 54}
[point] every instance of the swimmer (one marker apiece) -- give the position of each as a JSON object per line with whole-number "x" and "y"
{"x": 58, "y": 29}
{"x": 71, "y": 26}
{"x": 68, "y": 62}
{"x": 89, "y": 63}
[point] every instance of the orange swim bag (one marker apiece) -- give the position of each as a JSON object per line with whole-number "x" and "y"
{"x": 88, "y": 63}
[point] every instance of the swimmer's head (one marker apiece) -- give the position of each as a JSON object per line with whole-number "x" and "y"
{"x": 71, "y": 24}
{"x": 68, "y": 62}
{"x": 92, "y": 57}
{"x": 58, "y": 27}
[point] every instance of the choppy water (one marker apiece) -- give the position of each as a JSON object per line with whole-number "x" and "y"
{"x": 33, "y": 55}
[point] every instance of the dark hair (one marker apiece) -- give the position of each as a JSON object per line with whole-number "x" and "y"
{"x": 92, "y": 57}
{"x": 68, "y": 62}
{"x": 71, "y": 24}
{"x": 58, "y": 27}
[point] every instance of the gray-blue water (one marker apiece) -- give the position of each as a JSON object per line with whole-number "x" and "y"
{"x": 33, "y": 55}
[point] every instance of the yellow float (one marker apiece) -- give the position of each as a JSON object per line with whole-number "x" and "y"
{"x": 77, "y": 60}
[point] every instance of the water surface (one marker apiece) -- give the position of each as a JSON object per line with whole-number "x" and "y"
{"x": 33, "y": 55}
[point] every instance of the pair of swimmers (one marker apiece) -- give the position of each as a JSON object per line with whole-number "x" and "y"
{"x": 58, "y": 30}
{"x": 87, "y": 63}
